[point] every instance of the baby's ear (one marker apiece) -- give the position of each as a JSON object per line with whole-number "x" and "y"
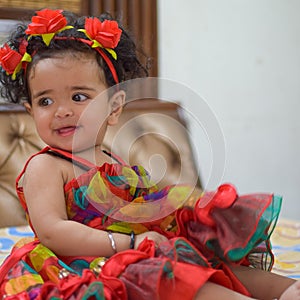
{"x": 28, "y": 108}
{"x": 116, "y": 103}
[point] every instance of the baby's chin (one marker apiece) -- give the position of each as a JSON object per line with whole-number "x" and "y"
{"x": 59, "y": 146}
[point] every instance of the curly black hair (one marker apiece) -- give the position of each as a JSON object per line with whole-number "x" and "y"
{"x": 127, "y": 64}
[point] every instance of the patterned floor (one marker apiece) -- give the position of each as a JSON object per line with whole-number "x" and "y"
{"x": 285, "y": 240}
{"x": 9, "y": 236}
{"x": 286, "y": 247}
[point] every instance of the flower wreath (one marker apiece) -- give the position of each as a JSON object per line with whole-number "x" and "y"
{"x": 47, "y": 23}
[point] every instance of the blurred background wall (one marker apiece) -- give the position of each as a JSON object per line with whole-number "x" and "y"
{"x": 242, "y": 57}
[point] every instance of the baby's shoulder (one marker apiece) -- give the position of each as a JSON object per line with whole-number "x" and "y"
{"x": 44, "y": 163}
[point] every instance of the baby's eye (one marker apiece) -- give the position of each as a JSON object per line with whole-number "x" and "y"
{"x": 79, "y": 97}
{"x": 45, "y": 102}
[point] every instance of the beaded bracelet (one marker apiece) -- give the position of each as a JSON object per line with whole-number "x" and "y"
{"x": 132, "y": 240}
{"x": 112, "y": 241}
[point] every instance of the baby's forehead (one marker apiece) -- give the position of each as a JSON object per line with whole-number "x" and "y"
{"x": 64, "y": 59}
{"x": 67, "y": 54}
{"x": 71, "y": 66}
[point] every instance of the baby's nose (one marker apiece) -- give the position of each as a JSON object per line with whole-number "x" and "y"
{"x": 63, "y": 111}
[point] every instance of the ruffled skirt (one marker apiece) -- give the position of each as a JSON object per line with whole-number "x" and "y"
{"x": 221, "y": 229}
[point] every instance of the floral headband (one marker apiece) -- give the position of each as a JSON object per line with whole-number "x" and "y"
{"x": 47, "y": 23}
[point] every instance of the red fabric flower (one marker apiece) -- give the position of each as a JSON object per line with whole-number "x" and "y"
{"x": 46, "y": 21}
{"x": 22, "y": 47}
{"x": 106, "y": 33}
{"x": 9, "y": 59}
{"x": 224, "y": 197}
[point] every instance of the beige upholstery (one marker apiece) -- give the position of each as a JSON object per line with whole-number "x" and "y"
{"x": 150, "y": 133}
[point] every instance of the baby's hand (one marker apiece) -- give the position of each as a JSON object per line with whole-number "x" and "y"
{"x": 292, "y": 292}
{"x": 151, "y": 235}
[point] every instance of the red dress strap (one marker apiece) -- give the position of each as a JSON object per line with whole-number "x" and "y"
{"x": 65, "y": 154}
{"x": 82, "y": 161}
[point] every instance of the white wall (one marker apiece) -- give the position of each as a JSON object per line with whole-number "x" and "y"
{"x": 243, "y": 58}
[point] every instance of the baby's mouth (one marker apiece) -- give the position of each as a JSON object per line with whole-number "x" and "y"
{"x": 66, "y": 131}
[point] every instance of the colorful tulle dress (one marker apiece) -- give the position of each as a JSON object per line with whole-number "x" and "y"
{"x": 220, "y": 229}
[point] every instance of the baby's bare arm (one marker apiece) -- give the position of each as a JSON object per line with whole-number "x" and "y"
{"x": 293, "y": 292}
{"x": 151, "y": 235}
{"x": 211, "y": 291}
{"x": 262, "y": 284}
{"x": 44, "y": 193}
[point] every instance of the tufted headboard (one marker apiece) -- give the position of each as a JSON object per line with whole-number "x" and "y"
{"x": 150, "y": 132}
{"x": 18, "y": 140}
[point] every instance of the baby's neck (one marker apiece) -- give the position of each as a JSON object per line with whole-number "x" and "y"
{"x": 95, "y": 155}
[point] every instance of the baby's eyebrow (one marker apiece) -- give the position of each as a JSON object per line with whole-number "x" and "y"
{"x": 83, "y": 88}
{"x": 41, "y": 93}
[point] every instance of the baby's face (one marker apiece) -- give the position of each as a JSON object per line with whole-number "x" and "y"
{"x": 61, "y": 89}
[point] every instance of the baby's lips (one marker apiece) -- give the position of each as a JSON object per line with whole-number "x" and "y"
{"x": 66, "y": 130}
